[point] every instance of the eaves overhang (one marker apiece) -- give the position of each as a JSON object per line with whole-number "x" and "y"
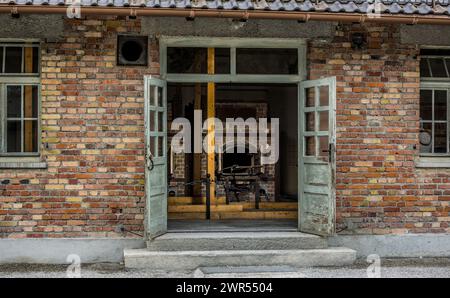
{"x": 376, "y": 11}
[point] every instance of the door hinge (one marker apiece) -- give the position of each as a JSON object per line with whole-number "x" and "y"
{"x": 330, "y": 152}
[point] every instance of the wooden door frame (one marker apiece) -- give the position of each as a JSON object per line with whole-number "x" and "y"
{"x": 233, "y": 43}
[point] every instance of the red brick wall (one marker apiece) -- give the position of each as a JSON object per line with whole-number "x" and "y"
{"x": 379, "y": 189}
{"x": 93, "y": 140}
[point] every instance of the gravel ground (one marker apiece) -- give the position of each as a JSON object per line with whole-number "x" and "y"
{"x": 425, "y": 268}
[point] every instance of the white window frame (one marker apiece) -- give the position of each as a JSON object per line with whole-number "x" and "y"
{"x": 232, "y": 43}
{"x": 18, "y": 79}
{"x": 430, "y": 160}
{"x": 437, "y": 87}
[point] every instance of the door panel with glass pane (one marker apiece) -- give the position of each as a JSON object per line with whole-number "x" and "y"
{"x": 156, "y": 156}
{"x": 317, "y": 156}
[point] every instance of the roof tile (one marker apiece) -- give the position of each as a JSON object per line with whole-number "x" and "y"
{"x": 437, "y": 7}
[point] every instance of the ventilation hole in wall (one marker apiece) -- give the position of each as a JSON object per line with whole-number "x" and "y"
{"x": 132, "y": 50}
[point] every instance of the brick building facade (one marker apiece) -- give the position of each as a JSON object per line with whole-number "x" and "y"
{"x": 90, "y": 176}
{"x": 379, "y": 188}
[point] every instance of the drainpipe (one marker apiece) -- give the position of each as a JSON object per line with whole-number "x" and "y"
{"x": 234, "y": 14}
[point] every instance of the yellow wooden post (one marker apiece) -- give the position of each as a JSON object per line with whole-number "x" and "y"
{"x": 211, "y": 129}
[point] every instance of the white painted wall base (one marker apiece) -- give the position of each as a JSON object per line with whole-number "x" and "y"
{"x": 55, "y": 251}
{"x": 396, "y": 246}
{"x": 97, "y": 250}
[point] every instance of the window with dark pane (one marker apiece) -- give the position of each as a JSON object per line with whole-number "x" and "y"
{"x": 440, "y": 105}
{"x": 438, "y": 68}
{"x": 22, "y": 118}
{"x": 14, "y": 101}
{"x": 222, "y": 61}
{"x": 266, "y": 61}
{"x": 186, "y": 60}
{"x": 35, "y": 60}
{"x": 19, "y": 58}
{"x": 424, "y": 68}
{"x": 426, "y": 104}
{"x": 13, "y": 60}
{"x": 14, "y": 136}
{"x": 194, "y": 60}
{"x": 435, "y": 63}
{"x": 440, "y": 137}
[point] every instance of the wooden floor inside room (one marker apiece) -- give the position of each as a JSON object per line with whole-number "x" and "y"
{"x": 180, "y": 208}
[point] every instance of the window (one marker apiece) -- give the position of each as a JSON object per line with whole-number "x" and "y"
{"x": 19, "y": 99}
{"x": 435, "y": 64}
{"x": 434, "y": 124}
{"x": 194, "y": 60}
{"x": 266, "y": 61}
{"x": 244, "y": 61}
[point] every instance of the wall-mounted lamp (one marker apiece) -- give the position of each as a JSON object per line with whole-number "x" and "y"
{"x": 237, "y": 24}
{"x": 15, "y": 13}
{"x": 358, "y": 40}
{"x": 304, "y": 19}
{"x": 239, "y": 20}
{"x": 191, "y": 16}
{"x": 133, "y": 14}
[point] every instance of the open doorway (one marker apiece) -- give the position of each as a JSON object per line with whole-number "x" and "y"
{"x": 240, "y": 77}
{"x": 234, "y": 205}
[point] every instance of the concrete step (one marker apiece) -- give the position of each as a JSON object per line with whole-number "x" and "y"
{"x": 190, "y": 260}
{"x": 202, "y": 208}
{"x": 253, "y": 214}
{"x": 191, "y": 200}
{"x": 236, "y": 241}
{"x": 248, "y": 272}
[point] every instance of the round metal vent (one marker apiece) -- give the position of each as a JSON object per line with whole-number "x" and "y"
{"x": 132, "y": 50}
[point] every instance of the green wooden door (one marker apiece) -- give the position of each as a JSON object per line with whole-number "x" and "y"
{"x": 317, "y": 139}
{"x": 156, "y": 156}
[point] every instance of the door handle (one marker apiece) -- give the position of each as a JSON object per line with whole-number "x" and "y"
{"x": 330, "y": 151}
{"x": 150, "y": 164}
